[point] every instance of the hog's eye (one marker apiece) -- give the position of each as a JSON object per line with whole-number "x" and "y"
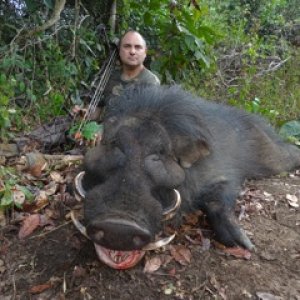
{"x": 154, "y": 157}
{"x": 160, "y": 150}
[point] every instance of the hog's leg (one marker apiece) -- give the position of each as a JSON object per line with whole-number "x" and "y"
{"x": 218, "y": 203}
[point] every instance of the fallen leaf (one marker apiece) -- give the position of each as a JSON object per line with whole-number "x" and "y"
{"x": 78, "y": 136}
{"x": 36, "y": 163}
{"x": 199, "y": 239}
{"x": 56, "y": 177}
{"x": 268, "y": 197}
{"x": 51, "y": 188}
{"x": 181, "y": 254}
{"x": 40, "y": 204}
{"x": 292, "y": 200}
{"x": 30, "y": 223}
{"x": 41, "y": 196}
{"x": 237, "y": 252}
{"x": 44, "y": 221}
{"x": 195, "y": 241}
{"x": 37, "y": 289}
{"x": 165, "y": 259}
{"x": 18, "y": 197}
{"x": 267, "y": 296}
{"x": 152, "y": 265}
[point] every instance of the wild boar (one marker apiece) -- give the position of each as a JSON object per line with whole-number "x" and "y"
{"x": 165, "y": 150}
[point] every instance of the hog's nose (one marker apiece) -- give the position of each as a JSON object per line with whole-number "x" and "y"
{"x": 118, "y": 234}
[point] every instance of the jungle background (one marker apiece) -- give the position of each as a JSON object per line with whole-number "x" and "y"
{"x": 245, "y": 53}
{"x": 240, "y": 52}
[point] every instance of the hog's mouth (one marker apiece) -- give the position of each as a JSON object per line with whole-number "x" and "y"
{"x": 121, "y": 259}
{"x": 124, "y": 259}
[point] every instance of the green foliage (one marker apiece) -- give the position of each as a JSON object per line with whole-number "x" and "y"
{"x": 88, "y": 130}
{"x": 257, "y": 68}
{"x": 255, "y": 106}
{"x": 254, "y": 17}
{"x": 45, "y": 77}
{"x": 218, "y": 49}
{"x": 291, "y": 131}
{"x": 186, "y": 47}
{"x": 11, "y": 186}
{"x": 182, "y": 39}
{"x": 6, "y": 92}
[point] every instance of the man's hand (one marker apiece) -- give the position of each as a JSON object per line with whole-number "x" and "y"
{"x": 78, "y": 110}
{"x": 81, "y": 111}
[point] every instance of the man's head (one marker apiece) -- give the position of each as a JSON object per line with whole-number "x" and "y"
{"x": 132, "y": 49}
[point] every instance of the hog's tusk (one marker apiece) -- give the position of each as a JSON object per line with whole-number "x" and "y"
{"x": 159, "y": 243}
{"x": 78, "y": 225}
{"x": 170, "y": 212}
{"x": 78, "y": 184}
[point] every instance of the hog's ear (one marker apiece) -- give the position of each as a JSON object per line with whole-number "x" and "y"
{"x": 190, "y": 151}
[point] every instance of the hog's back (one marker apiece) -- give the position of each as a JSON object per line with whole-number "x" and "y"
{"x": 243, "y": 145}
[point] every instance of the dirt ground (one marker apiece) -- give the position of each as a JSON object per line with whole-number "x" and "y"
{"x": 62, "y": 264}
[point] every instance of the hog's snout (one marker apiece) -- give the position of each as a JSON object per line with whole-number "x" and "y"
{"x": 118, "y": 234}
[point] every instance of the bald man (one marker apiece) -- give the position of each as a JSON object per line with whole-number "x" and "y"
{"x": 132, "y": 53}
{"x": 132, "y": 72}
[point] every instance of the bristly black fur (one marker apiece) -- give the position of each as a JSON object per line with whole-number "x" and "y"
{"x": 160, "y": 138}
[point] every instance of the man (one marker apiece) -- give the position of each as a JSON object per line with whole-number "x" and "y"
{"x": 132, "y": 54}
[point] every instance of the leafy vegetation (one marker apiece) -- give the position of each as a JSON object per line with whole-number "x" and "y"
{"x": 178, "y": 32}
{"x": 245, "y": 53}
{"x": 12, "y": 193}
{"x": 291, "y": 131}
{"x": 6, "y": 92}
{"x": 257, "y": 58}
{"x": 88, "y": 130}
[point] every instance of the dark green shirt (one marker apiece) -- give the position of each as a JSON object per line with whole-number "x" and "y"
{"x": 117, "y": 84}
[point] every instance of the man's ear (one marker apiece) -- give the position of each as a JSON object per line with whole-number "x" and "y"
{"x": 189, "y": 151}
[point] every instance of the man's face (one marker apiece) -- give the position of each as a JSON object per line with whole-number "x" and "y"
{"x": 132, "y": 50}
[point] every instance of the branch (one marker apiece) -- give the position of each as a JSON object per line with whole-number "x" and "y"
{"x": 272, "y": 68}
{"x": 75, "y": 37}
{"x": 58, "y": 8}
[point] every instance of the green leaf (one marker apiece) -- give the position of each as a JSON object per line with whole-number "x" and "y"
{"x": 290, "y": 129}
{"x": 148, "y": 18}
{"x": 189, "y": 41}
{"x": 7, "y": 198}
{"x": 2, "y": 78}
{"x": 49, "y": 3}
{"x": 155, "y": 4}
{"x": 29, "y": 196}
{"x": 22, "y": 86}
{"x": 91, "y": 129}
{"x": 31, "y": 5}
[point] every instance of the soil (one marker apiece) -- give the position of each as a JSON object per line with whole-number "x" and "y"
{"x": 62, "y": 264}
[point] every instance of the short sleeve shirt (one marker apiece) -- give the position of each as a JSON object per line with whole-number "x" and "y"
{"x": 116, "y": 84}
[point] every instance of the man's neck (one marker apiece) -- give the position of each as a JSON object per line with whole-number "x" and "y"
{"x": 129, "y": 72}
